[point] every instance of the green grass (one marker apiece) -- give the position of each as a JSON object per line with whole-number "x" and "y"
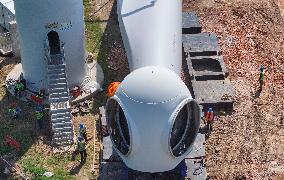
{"x": 61, "y": 174}
{"x": 87, "y": 8}
{"x": 94, "y": 36}
{"x": 99, "y": 42}
{"x": 93, "y": 30}
{"x": 64, "y": 159}
{"x": 38, "y": 164}
{"x": 33, "y": 166}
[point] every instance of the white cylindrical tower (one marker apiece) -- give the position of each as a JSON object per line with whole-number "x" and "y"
{"x": 52, "y": 25}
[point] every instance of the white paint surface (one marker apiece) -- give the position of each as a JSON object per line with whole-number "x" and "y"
{"x": 150, "y": 98}
{"x": 152, "y": 32}
{"x": 32, "y": 17}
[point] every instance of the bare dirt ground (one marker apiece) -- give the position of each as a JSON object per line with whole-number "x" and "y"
{"x": 249, "y": 143}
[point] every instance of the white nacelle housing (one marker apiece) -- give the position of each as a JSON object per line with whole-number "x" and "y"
{"x": 153, "y": 120}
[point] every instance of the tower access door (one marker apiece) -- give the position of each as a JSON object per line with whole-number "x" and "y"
{"x": 54, "y": 43}
{"x": 54, "y": 47}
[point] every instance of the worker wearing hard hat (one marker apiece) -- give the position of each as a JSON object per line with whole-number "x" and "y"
{"x": 19, "y": 87}
{"x": 83, "y": 131}
{"x": 39, "y": 117}
{"x": 81, "y": 147}
{"x": 14, "y": 110}
{"x": 209, "y": 117}
{"x": 261, "y": 77}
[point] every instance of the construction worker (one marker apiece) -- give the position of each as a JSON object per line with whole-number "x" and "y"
{"x": 41, "y": 93}
{"x": 40, "y": 96}
{"x": 23, "y": 81}
{"x": 14, "y": 110}
{"x": 209, "y": 117}
{"x": 81, "y": 147}
{"x": 261, "y": 77}
{"x": 39, "y": 107}
{"x": 19, "y": 87}
{"x": 39, "y": 117}
{"x": 83, "y": 131}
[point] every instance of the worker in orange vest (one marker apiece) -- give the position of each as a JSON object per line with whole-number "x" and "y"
{"x": 112, "y": 88}
{"x": 209, "y": 117}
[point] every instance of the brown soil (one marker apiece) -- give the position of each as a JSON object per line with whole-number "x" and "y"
{"x": 248, "y": 143}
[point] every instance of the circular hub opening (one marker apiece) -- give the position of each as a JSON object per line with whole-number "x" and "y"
{"x": 184, "y": 129}
{"x": 118, "y": 127}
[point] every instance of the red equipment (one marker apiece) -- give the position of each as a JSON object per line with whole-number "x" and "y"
{"x": 76, "y": 91}
{"x": 37, "y": 99}
{"x": 12, "y": 142}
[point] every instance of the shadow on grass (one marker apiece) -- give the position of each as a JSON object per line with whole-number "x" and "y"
{"x": 22, "y": 129}
{"x": 257, "y": 94}
{"x": 111, "y": 37}
{"x": 8, "y": 61}
{"x": 76, "y": 169}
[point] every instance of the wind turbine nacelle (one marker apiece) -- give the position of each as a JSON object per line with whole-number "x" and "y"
{"x": 152, "y": 119}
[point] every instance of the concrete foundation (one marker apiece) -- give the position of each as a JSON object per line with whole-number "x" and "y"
{"x": 201, "y": 44}
{"x": 91, "y": 85}
{"x": 190, "y": 23}
{"x": 208, "y": 73}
